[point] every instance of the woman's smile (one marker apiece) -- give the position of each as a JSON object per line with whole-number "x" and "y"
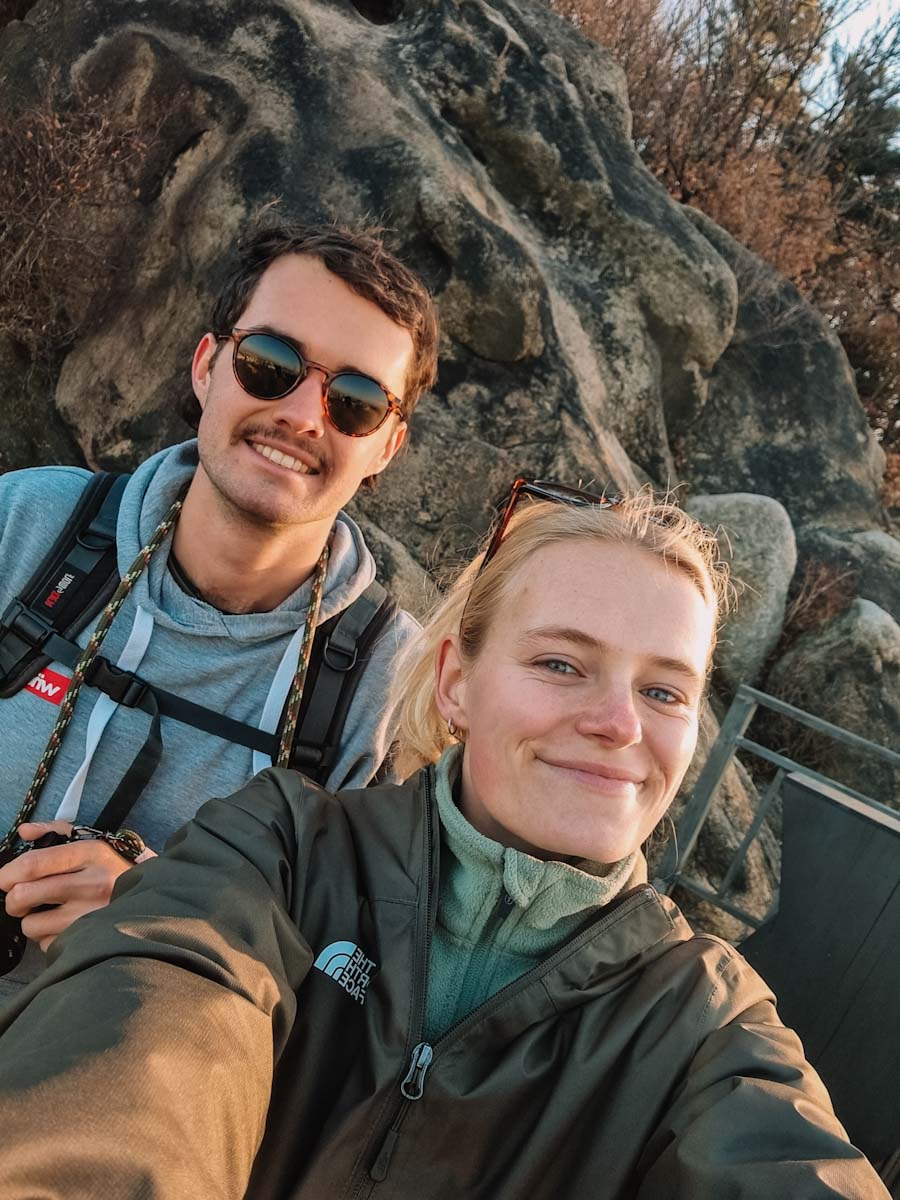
{"x": 608, "y": 780}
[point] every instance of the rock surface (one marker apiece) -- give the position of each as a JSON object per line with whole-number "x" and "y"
{"x": 782, "y": 417}
{"x": 871, "y": 556}
{"x": 729, "y": 818}
{"x": 756, "y": 539}
{"x": 492, "y": 139}
{"x": 847, "y": 672}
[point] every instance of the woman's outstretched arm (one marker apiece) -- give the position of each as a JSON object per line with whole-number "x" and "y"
{"x": 140, "y": 1062}
{"x": 752, "y": 1118}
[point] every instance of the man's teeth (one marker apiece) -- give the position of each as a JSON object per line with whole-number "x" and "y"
{"x": 283, "y": 460}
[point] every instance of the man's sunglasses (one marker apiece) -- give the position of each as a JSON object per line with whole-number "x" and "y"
{"x": 542, "y": 489}
{"x": 268, "y": 367}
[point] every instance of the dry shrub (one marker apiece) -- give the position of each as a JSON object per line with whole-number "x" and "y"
{"x": 68, "y": 189}
{"x": 711, "y": 85}
{"x": 891, "y": 488}
{"x": 779, "y": 213}
{"x": 820, "y": 592}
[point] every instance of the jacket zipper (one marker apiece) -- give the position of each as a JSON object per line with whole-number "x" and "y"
{"x": 413, "y": 1086}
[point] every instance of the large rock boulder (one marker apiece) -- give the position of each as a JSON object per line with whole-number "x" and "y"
{"x": 847, "y": 672}
{"x": 756, "y": 539}
{"x": 32, "y": 430}
{"x": 782, "y": 416}
{"x": 870, "y": 557}
{"x": 582, "y": 310}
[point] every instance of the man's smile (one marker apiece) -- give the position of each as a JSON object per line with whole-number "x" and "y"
{"x": 283, "y": 459}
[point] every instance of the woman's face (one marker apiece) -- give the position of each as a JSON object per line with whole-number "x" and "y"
{"x": 580, "y": 714}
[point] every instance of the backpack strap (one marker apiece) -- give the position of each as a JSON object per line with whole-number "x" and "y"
{"x": 76, "y": 579}
{"x": 72, "y": 584}
{"x": 340, "y": 654}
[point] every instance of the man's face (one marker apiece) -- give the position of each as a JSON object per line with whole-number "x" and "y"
{"x": 298, "y": 298}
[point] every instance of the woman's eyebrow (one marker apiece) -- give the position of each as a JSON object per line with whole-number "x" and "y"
{"x": 578, "y": 637}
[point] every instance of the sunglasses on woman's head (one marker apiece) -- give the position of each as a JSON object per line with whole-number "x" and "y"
{"x": 542, "y": 489}
{"x": 269, "y": 367}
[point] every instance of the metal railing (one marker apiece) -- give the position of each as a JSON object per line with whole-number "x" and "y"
{"x": 730, "y": 740}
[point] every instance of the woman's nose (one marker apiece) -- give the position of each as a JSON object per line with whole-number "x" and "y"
{"x": 612, "y": 716}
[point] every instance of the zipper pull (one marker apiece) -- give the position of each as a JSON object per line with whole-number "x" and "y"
{"x": 414, "y": 1083}
{"x": 411, "y": 1087}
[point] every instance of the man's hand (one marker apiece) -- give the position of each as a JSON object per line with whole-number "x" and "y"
{"x": 76, "y": 878}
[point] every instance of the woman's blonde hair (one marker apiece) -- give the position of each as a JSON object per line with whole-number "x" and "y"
{"x": 473, "y": 599}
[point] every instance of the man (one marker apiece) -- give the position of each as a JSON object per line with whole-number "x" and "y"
{"x": 343, "y": 338}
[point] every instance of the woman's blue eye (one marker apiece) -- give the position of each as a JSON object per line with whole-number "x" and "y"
{"x": 663, "y": 694}
{"x": 558, "y": 665}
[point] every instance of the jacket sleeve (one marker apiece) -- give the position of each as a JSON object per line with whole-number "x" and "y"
{"x": 751, "y": 1118}
{"x": 140, "y": 1062}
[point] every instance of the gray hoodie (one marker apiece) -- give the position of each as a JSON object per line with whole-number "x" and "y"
{"x": 239, "y": 665}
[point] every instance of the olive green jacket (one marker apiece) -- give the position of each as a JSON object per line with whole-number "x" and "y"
{"x": 245, "y": 1019}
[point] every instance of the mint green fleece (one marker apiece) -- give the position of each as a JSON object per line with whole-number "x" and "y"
{"x": 500, "y": 911}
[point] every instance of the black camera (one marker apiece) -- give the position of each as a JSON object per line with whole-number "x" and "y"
{"x": 12, "y": 940}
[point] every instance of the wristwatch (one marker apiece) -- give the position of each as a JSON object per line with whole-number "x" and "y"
{"x": 125, "y": 841}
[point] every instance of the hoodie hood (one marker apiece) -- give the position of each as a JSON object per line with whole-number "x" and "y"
{"x": 152, "y": 490}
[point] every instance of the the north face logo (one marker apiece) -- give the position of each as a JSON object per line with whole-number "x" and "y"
{"x": 346, "y": 964}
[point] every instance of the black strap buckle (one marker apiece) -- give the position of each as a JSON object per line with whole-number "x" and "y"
{"x": 306, "y": 755}
{"x": 122, "y": 686}
{"x": 30, "y": 626}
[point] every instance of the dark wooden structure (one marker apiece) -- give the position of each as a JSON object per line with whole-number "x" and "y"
{"x": 831, "y": 953}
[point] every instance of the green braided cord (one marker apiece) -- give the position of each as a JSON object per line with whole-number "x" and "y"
{"x": 292, "y": 708}
{"x": 126, "y": 583}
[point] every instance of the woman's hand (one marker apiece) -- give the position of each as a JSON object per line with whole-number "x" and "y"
{"x": 75, "y": 878}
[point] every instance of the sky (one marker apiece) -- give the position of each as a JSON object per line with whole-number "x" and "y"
{"x": 870, "y": 15}
{"x": 854, "y": 27}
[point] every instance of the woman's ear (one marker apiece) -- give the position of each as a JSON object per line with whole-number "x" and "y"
{"x": 450, "y": 683}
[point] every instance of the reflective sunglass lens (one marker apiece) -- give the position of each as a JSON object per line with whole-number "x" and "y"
{"x": 266, "y": 366}
{"x": 356, "y": 404}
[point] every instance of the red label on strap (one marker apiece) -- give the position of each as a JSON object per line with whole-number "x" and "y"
{"x": 49, "y": 685}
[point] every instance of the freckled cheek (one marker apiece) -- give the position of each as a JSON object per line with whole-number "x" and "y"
{"x": 500, "y": 722}
{"x": 509, "y": 711}
{"x": 673, "y": 754}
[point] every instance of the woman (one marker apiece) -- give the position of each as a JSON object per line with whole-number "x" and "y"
{"x": 461, "y": 986}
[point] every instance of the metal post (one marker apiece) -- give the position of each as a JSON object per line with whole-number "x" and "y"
{"x": 700, "y": 801}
